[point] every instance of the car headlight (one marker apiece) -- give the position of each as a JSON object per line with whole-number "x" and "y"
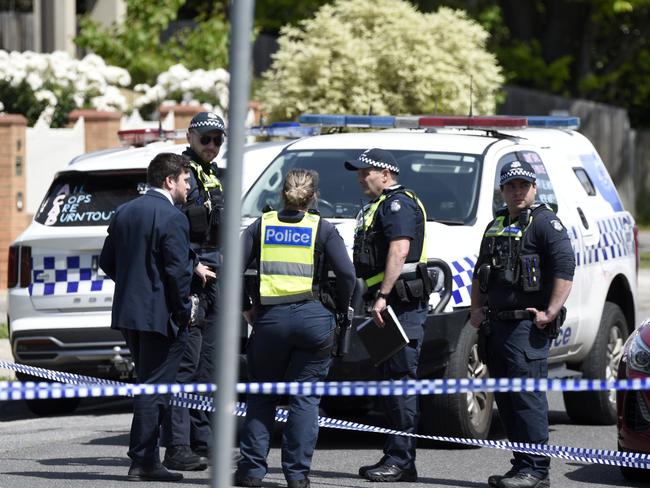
{"x": 638, "y": 355}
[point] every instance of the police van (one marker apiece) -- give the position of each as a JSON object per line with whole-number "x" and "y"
{"x": 59, "y": 300}
{"x": 453, "y": 165}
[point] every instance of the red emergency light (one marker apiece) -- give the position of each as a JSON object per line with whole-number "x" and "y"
{"x": 478, "y": 122}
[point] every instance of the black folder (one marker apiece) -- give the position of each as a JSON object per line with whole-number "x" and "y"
{"x": 382, "y": 342}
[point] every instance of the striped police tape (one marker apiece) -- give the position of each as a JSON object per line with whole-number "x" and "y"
{"x": 340, "y": 388}
{"x": 185, "y": 396}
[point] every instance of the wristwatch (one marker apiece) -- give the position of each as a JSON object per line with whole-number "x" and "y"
{"x": 381, "y": 295}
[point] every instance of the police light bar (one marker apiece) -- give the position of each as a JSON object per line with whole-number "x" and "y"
{"x": 288, "y": 130}
{"x": 478, "y": 122}
{"x": 142, "y": 137}
{"x": 553, "y": 121}
{"x": 492, "y": 122}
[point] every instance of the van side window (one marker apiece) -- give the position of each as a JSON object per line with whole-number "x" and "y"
{"x": 545, "y": 193}
{"x": 585, "y": 181}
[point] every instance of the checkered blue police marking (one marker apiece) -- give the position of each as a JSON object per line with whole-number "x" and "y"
{"x": 64, "y": 275}
{"x": 461, "y": 282}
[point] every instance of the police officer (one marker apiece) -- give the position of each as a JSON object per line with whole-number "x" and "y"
{"x": 189, "y": 439}
{"x": 390, "y": 255}
{"x": 522, "y": 278}
{"x": 292, "y": 333}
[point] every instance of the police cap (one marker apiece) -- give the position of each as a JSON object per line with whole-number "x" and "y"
{"x": 204, "y": 122}
{"x": 374, "y": 158}
{"x": 517, "y": 170}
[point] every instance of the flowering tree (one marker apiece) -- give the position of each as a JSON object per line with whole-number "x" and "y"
{"x": 208, "y": 88}
{"x": 49, "y": 86}
{"x": 382, "y": 56}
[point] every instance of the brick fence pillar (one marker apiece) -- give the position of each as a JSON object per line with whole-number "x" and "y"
{"x": 182, "y": 114}
{"x": 100, "y": 128}
{"x": 13, "y": 188}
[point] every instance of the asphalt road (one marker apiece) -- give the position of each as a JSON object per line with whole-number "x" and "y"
{"x": 88, "y": 449}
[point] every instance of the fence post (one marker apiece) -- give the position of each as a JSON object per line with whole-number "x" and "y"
{"x": 12, "y": 192}
{"x": 100, "y": 128}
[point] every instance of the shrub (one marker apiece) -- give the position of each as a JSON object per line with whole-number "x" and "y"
{"x": 382, "y": 56}
{"x": 49, "y": 86}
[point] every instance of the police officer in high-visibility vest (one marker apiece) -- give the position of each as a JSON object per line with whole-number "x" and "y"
{"x": 189, "y": 437}
{"x": 521, "y": 280}
{"x": 390, "y": 255}
{"x": 292, "y": 330}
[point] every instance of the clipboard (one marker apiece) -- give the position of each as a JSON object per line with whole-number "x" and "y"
{"x": 382, "y": 342}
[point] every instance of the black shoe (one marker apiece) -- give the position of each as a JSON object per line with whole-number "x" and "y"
{"x": 524, "y": 480}
{"x": 364, "y": 469}
{"x": 493, "y": 480}
{"x": 391, "y": 472}
{"x": 303, "y": 483}
{"x": 181, "y": 458}
{"x": 241, "y": 480}
{"x": 138, "y": 472}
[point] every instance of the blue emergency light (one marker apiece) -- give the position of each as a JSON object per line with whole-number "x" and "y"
{"x": 288, "y": 130}
{"x": 553, "y": 121}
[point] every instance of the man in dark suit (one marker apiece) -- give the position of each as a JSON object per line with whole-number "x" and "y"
{"x": 146, "y": 253}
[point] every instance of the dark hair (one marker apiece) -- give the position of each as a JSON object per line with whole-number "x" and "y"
{"x": 164, "y": 165}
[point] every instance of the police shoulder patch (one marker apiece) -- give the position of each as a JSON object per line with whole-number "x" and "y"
{"x": 557, "y": 225}
{"x": 395, "y": 206}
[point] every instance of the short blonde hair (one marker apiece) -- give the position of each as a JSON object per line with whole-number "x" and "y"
{"x": 300, "y": 188}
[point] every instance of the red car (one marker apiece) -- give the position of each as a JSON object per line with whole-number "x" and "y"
{"x": 633, "y": 407}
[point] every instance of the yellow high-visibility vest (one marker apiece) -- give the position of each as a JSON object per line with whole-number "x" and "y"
{"x": 365, "y": 223}
{"x": 287, "y": 259}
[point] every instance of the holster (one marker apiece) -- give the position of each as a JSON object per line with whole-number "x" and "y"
{"x": 342, "y": 333}
{"x": 198, "y": 220}
{"x": 481, "y": 344}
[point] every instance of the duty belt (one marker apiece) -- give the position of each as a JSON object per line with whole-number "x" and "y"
{"x": 510, "y": 315}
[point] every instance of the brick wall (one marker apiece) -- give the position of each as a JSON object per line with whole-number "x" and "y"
{"x": 100, "y": 128}
{"x": 13, "y": 218}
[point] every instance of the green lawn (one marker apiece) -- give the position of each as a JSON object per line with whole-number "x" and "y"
{"x": 4, "y": 332}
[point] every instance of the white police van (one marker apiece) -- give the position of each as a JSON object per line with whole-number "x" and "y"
{"x": 59, "y": 300}
{"x": 453, "y": 163}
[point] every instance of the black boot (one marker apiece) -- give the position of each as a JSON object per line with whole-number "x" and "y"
{"x": 391, "y": 472}
{"x": 524, "y": 480}
{"x": 181, "y": 458}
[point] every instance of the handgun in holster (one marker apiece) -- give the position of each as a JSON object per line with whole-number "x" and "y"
{"x": 481, "y": 344}
{"x": 553, "y": 328}
{"x": 343, "y": 333}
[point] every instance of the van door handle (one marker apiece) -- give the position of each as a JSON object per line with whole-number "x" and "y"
{"x": 585, "y": 223}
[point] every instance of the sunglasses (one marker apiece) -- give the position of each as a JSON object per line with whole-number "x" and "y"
{"x": 205, "y": 140}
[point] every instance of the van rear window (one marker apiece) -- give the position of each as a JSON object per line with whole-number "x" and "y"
{"x": 81, "y": 198}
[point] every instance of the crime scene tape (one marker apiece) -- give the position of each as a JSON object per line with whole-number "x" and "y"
{"x": 202, "y": 402}
{"x": 347, "y": 388}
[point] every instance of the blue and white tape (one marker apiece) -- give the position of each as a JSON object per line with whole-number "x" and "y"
{"x": 185, "y": 396}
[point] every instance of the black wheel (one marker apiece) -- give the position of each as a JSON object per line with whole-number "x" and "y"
{"x": 45, "y": 408}
{"x": 599, "y": 407}
{"x": 634, "y": 474}
{"x": 466, "y": 415}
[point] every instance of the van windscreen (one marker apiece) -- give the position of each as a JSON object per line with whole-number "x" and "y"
{"x": 81, "y": 198}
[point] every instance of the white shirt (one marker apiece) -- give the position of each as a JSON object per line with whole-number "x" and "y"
{"x": 166, "y": 193}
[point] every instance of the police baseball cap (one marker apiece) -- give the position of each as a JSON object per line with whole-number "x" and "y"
{"x": 207, "y": 122}
{"x": 517, "y": 170}
{"x": 374, "y": 159}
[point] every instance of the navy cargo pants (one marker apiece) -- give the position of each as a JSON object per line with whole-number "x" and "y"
{"x": 402, "y": 411}
{"x": 289, "y": 342}
{"x": 518, "y": 349}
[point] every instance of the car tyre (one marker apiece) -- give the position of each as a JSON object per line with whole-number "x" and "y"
{"x": 599, "y": 407}
{"x": 48, "y": 407}
{"x": 467, "y": 415}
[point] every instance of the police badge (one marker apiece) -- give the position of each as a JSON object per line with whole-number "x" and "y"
{"x": 395, "y": 205}
{"x": 557, "y": 225}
